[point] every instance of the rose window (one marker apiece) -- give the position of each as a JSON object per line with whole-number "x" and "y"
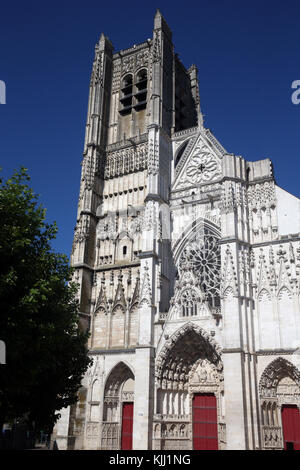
{"x": 203, "y": 257}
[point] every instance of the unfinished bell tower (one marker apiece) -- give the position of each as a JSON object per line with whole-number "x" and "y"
{"x": 138, "y": 98}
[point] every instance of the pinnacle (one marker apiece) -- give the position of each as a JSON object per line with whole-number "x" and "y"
{"x": 104, "y": 42}
{"x": 102, "y": 38}
{"x": 160, "y": 22}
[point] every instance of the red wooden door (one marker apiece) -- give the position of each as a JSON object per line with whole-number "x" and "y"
{"x": 291, "y": 427}
{"x": 127, "y": 425}
{"x": 205, "y": 425}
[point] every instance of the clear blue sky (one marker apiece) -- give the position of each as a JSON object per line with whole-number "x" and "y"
{"x": 247, "y": 53}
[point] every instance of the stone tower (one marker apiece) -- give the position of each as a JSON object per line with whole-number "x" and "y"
{"x": 188, "y": 272}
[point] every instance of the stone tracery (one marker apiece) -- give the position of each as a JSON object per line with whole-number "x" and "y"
{"x": 203, "y": 256}
{"x": 202, "y": 168}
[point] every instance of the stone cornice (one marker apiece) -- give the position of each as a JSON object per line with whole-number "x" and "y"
{"x": 286, "y": 239}
{"x": 97, "y": 352}
{"x": 260, "y": 352}
{"x": 155, "y": 197}
{"x": 185, "y": 133}
{"x": 275, "y": 352}
{"x": 132, "y": 141}
{"x": 130, "y": 50}
{"x": 148, "y": 254}
{"x": 108, "y": 267}
{"x": 214, "y": 184}
{"x": 232, "y": 350}
{"x": 261, "y": 180}
{"x": 87, "y": 212}
{"x": 223, "y": 241}
{"x": 82, "y": 266}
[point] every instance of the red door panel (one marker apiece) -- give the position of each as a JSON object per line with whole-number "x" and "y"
{"x": 291, "y": 427}
{"x": 205, "y": 425}
{"x": 127, "y": 425}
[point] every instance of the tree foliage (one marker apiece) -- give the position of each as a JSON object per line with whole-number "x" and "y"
{"x": 46, "y": 353}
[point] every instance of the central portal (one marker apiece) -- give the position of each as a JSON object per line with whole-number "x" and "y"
{"x": 205, "y": 425}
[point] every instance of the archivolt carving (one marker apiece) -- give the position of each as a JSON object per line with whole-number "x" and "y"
{"x": 174, "y": 363}
{"x": 279, "y": 385}
{"x": 274, "y": 373}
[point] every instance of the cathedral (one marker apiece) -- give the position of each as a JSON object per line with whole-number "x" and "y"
{"x": 188, "y": 264}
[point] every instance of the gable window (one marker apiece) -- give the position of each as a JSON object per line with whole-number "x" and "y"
{"x": 189, "y": 304}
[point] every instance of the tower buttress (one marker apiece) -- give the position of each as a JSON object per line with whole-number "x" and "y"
{"x": 92, "y": 170}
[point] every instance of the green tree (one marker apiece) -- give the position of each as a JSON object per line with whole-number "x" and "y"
{"x": 46, "y": 355}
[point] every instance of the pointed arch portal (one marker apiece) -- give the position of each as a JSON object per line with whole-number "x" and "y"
{"x": 117, "y": 425}
{"x": 190, "y": 390}
{"x": 280, "y": 404}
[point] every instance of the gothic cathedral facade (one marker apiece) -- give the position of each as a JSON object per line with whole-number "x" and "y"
{"x": 188, "y": 262}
